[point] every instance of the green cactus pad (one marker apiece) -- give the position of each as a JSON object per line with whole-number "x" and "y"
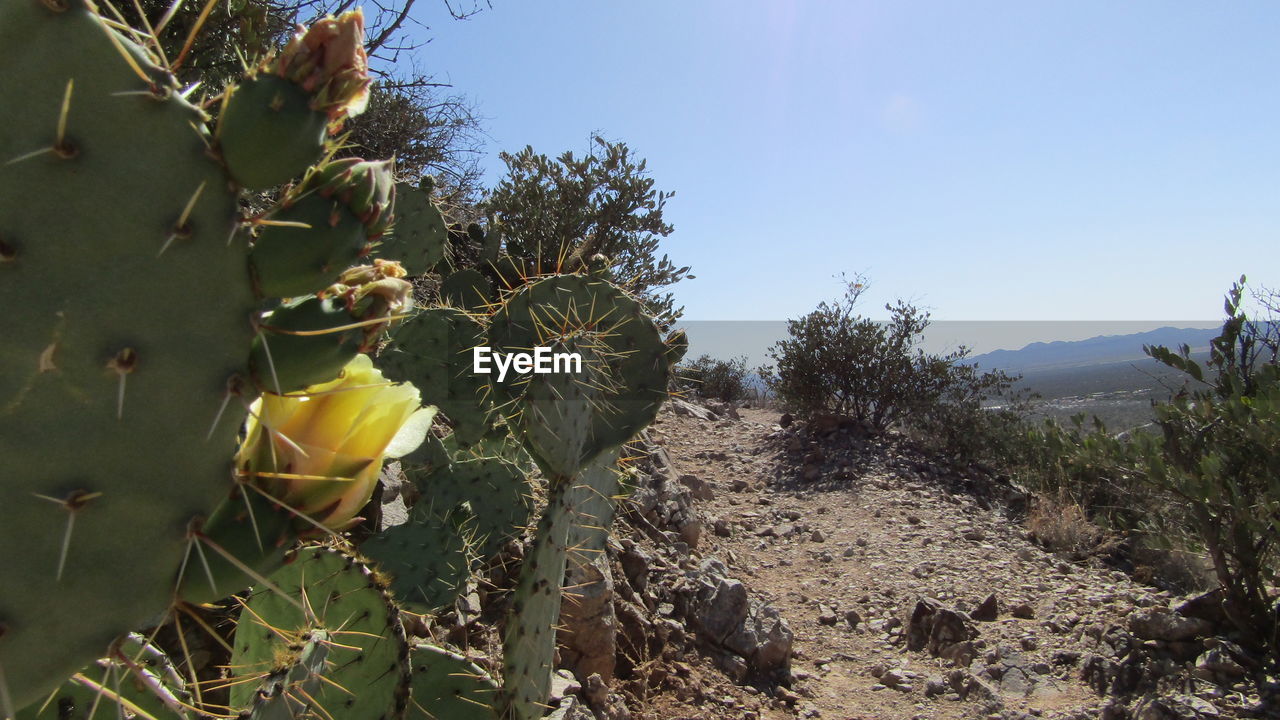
{"x": 418, "y": 235}
{"x": 268, "y": 133}
{"x": 491, "y": 247}
{"x": 677, "y": 347}
{"x": 554, "y": 420}
{"x": 432, "y": 350}
{"x": 467, "y": 289}
{"x": 448, "y": 686}
{"x": 595, "y": 504}
{"x": 290, "y": 692}
{"x": 326, "y": 590}
{"x": 108, "y": 688}
{"x": 529, "y": 640}
{"x": 284, "y": 361}
{"x": 496, "y": 491}
{"x": 429, "y": 558}
{"x": 129, "y": 315}
{"x": 303, "y": 259}
{"x": 626, "y": 368}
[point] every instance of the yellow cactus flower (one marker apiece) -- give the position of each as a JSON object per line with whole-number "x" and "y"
{"x": 319, "y": 452}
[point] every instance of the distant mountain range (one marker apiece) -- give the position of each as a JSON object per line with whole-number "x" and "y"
{"x": 1093, "y": 351}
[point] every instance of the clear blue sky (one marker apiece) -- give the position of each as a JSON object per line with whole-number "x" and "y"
{"x": 990, "y": 161}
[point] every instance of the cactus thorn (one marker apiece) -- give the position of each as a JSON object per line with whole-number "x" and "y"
{"x": 191, "y": 36}
{"x": 64, "y": 149}
{"x": 185, "y": 93}
{"x": 123, "y": 364}
{"x": 6, "y": 699}
{"x": 235, "y": 388}
{"x": 281, "y": 223}
{"x": 72, "y": 503}
{"x": 338, "y": 329}
{"x": 182, "y": 228}
{"x": 293, "y": 511}
{"x": 151, "y": 33}
{"x": 129, "y": 59}
{"x": 193, "y": 679}
{"x": 257, "y": 576}
{"x": 271, "y": 363}
{"x": 193, "y": 531}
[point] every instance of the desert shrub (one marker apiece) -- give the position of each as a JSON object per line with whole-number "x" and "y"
{"x": 716, "y": 379}
{"x": 973, "y": 417}
{"x": 838, "y": 362}
{"x": 1093, "y": 468}
{"x": 1209, "y": 478}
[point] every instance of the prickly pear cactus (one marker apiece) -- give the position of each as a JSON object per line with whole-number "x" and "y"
{"x": 448, "y": 686}
{"x": 419, "y": 236}
{"x": 433, "y": 350}
{"x": 329, "y": 597}
{"x": 467, "y": 289}
{"x": 323, "y": 227}
{"x": 428, "y": 558}
{"x": 274, "y": 123}
{"x": 528, "y": 643}
{"x": 137, "y": 678}
{"x": 130, "y": 318}
{"x": 625, "y": 374}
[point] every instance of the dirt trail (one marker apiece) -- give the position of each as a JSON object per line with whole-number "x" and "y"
{"x": 846, "y": 565}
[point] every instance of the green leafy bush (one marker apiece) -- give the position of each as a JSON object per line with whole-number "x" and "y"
{"x": 1219, "y": 453}
{"x": 838, "y": 362}
{"x": 1209, "y": 479}
{"x": 716, "y": 379}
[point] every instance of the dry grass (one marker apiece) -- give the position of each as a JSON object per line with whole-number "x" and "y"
{"x": 1061, "y": 526}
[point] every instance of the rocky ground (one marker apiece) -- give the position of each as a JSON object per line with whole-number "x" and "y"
{"x": 770, "y": 572}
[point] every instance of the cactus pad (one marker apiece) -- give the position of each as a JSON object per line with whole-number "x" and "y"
{"x": 448, "y": 686}
{"x": 329, "y": 591}
{"x": 418, "y": 236}
{"x": 130, "y": 318}
{"x": 626, "y": 368}
{"x": 432, "y": 350}
{"x": 429, "y": 558}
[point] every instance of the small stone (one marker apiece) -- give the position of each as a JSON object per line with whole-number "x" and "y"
{"x": 935, "y": 686}
{"x": 853, "y": 618}
{"x": 1023, "y": 611}
{"x": 698, "y": 488}
{"x": 817, "y": 536}
{"x": 893, "y": 678}
{"x": 988, "y": 610}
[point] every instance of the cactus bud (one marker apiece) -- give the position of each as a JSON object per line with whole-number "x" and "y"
{"x": 273, "y": 124}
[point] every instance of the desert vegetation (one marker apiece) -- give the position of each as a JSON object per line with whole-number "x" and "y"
{"x": 248, "y": 468}
{"x": 1202, "y": 479}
